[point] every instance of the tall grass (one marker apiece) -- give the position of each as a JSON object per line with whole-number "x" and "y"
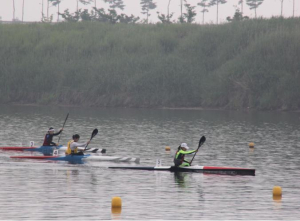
{"x": 249, "y": 64}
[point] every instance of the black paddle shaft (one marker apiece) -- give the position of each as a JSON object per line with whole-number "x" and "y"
{"x": 201, "y": 142}
{"x": 95, "y": 132}
{"x": 63, "y": 128}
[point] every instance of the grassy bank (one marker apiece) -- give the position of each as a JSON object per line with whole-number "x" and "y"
{"x": 245, "y": 64}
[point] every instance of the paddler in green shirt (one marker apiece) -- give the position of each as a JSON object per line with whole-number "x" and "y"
{"x": 179, "y": 156}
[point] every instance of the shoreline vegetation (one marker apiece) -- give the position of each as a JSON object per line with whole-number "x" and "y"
{"x": 250, "y": 64}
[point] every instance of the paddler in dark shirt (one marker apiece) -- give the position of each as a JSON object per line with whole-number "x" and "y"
{"x": 179, "y": 160}
{"x": 49, "y": 137}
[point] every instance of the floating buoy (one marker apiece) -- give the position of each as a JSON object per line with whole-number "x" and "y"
{"x": 277, "y": 192}
{"x": 251, "y": 145}
{"x": 168, "y": 148}
{"x": 116, "y": 202}
{"x": 116, "y": 210}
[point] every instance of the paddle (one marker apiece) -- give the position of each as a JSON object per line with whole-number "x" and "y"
{"x": 95, "y": 131}
{"x": 201, "y": 141}
{"x": 62, "y": 128}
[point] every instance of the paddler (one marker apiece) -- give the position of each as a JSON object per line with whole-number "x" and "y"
{"x": 49, "y": 137}
{"x": 73, "y": 146}
{"x": 179, "y": 156}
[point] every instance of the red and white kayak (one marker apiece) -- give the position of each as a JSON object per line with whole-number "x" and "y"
{"x": 46, "y": 148}
{"x": 80, "y": 158}
{"x": 18, "y": 148}
{"x": 197, "y": 169}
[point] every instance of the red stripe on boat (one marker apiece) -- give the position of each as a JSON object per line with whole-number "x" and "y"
{"x": 224, "y": 168}
{"x": 33, "y": 157}
{"x": 16, "y": 148}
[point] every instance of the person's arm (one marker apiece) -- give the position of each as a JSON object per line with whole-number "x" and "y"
{"x": 188, "y": 152}
{"x": 75, "y": 144}
{"x": 58, "y": 132}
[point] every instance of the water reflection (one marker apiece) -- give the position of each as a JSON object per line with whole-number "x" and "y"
{"x": 180, "y": 179}
{"x": 116, "y": 213}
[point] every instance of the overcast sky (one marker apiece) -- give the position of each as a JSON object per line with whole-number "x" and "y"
{"x": 33, "y": 9}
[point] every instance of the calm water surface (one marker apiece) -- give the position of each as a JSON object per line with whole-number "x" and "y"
{"x": 46, "y": 190}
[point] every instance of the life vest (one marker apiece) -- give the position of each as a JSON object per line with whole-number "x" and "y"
{"x": 69, "y": 151}
{"x": 179, "y": 156}
{"x": 47, "y": 140}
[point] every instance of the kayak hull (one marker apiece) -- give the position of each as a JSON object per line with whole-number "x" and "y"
{"x": 79, "y": 158}
{"x": 49, "y": 149}
{"x": 197, "y": 169}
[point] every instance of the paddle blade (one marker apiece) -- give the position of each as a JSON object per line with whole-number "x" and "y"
{"x": 201, "y": 141}
{"x": 95, "y": 132}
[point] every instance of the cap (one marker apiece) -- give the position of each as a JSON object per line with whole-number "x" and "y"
{"x": 51, "y": 129}
{"x": 184, "y": 145}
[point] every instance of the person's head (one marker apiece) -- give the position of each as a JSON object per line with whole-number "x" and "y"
{"x": 76, "y": 137}
{"x": 184, "y": 146}
{"x": 51, "y": 130}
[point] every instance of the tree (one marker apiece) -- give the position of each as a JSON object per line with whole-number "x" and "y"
{"x": 147, "y": 5}
{"x": 23, "y": 10}
{"x": 281, "y": 2}
{"x": 238, "y": 16}
{"x": 293, "y": 8}
{"x": 190, "y": 14}
{"x": 204, "y": 4}
{"x": 114, "y": 4}
{"x": 74, "y": 17}
{"x": 84, "y": 2}
{"x": 181, "y": 17}
{"x": 217, "y": 2}
{"x": 56, "y": 3}
{"x": 128, "y": 19}
{"x": 165, "y": 19}
{"x": 254, "y": 4}
{"x": 241, "y": 2}
{"x": 168, "y": 15}
{"x": 14, "y": 10}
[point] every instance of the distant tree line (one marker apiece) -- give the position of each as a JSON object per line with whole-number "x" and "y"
{"x": 188, "y": 12}
{"x": 252, "y": 64}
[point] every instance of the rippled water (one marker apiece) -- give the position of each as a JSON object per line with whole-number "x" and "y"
{"x": 46, "y": 190}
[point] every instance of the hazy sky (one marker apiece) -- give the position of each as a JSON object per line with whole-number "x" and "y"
{"x": 33, "y": 9}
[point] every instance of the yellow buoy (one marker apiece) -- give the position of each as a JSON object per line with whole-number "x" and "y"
{"x": 116, "y": 202}
{"x": 116, "y": 210}
{"x": 251, "y": 145}
{"x": 168, "y": 148}
{"x": 277, "y": 192}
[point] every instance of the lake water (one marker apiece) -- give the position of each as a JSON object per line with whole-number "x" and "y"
{"x": 60, "y": 191}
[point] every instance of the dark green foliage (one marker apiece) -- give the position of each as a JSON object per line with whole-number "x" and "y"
{"x": 204, "y": 4}
{"x": 247, "y": 64}
{"x": 238, "y": 16}
{"x": 217, "y": 3}
{"x": 114, "y": 4}
{"x": 99, "y": 15}
{"x": 147, "y": 5}
{"x": 165, "y": 19}
{"x": 254, "y": 4}
{"x": 189, "y": 16}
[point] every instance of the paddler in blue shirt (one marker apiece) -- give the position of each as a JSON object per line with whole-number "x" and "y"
{"x": 179, "y": 156}
{"x": 49, "y": 137}
{"x": 73, "y": 146}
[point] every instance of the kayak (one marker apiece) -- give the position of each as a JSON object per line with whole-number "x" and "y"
{"x": 49, "y": 149}
{"x": 80, "y": 158}
{"x": 197, "y": 169}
